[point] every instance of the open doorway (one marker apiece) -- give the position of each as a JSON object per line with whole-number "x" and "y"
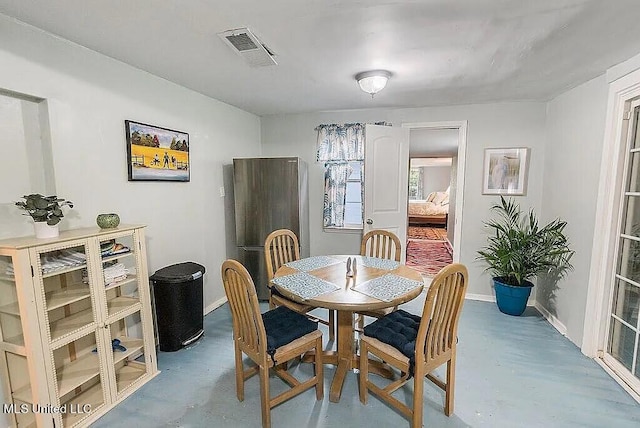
{"x": 435, "y": 171}
{"x": 428, "y": 247}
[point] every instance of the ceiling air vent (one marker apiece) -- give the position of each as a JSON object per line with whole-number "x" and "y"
{"x": 248, "y": 46}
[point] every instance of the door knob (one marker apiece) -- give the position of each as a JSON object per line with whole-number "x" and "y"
{"x": 369, "y": 221}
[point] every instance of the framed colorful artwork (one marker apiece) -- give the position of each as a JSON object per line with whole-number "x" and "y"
{"x": 156, "y": 154}
{"x": 505, "y": 171}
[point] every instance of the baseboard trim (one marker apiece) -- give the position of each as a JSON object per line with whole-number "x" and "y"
{"x": 215, "y": 305}
{"x": 555, "y": 322}
{"x": 481, "y": 297}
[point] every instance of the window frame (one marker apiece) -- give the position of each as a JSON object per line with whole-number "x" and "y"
{"x": 419, "y": 187}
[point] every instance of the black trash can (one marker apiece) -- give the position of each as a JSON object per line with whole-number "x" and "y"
{"x": 177, "y": 292}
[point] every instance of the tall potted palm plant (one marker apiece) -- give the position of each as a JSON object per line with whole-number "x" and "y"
{"x": 518, "y": 250}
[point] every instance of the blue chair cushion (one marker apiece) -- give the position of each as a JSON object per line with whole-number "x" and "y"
{"x": 283, "y": 326}
{"x": 275, "y": 291}
{"x": 398, "y": 329}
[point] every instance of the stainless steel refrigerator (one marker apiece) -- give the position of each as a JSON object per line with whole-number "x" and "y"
{"x": 270, "y": 194}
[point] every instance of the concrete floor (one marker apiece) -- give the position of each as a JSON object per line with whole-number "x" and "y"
{"x": 512, "y": 372}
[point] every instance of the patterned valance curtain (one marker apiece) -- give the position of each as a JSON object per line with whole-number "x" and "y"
{"x": 337, "y": 146}
{"x": 340, "y": 143}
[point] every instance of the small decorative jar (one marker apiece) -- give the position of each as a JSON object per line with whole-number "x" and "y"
{"x": 108, "y": 221}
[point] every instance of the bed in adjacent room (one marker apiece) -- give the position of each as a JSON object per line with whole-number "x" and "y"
{"x": 431, "y": 211}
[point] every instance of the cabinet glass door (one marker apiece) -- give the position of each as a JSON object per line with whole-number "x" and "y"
{"x": 120, "y": 277}
{"x": 121, "y": 261}
{"x": 68, "y": 287}
{"x": 129, "y": 357}
{"x": 13, "y": 355}
{"x": 80, "y": 382}
{"x": 10, "y": 322}
{"x": 68, "y": 303}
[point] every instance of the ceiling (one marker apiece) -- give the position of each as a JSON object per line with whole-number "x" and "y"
{"x": 441, "y": 52}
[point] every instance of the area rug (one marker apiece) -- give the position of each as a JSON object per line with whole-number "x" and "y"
{"x": 430, "y": 233}
{"x": 428, "y": 257}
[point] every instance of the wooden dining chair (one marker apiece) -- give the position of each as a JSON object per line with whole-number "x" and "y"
{"x": 418, "y": 345}
{"x": 383, "y": 245}
{"x": 281, "y": 247}
{"x": 268, "y": 339}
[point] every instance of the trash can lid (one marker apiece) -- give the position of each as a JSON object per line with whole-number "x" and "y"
{"x": 180, "y": 272}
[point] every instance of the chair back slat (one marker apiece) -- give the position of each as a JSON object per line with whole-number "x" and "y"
{"x": 443, "y": 312}
{"x": 280, "y": 247}
{"x": 248, "y": 327}
{"x": 439, "y": 326}
{"x": 381, "y": 244}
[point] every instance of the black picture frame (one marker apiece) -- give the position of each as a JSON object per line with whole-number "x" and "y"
{"x": 155, "y": 153}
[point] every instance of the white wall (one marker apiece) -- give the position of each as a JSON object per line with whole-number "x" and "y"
{"x": 435, "y": 179}
{"x": 27, "y": 162}
{"x": 575, "y": 131}
{"x": 14, "y": 149}
{"x": 426, "y": 142}
{"x": 89, "y": 96}
{"x": 490, "y": 125}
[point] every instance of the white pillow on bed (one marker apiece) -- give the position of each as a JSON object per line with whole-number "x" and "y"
{"x": 441, "y": 198}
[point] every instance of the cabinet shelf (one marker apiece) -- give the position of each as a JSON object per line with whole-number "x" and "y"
{"x": 14, "y": 344}
{"x": 70, "y": 376}
{"x": 92, "y": 396}
{"x": 122, "y": 303}
{"x": 59, "y": 298}
{"x": 63, "y": 271}
{"x": 133, "y": 347}
{"x": 117, "y": 256}
{"x": 128, "y": 374}
{"x": 78, "y": 372}
{"x": 10, "y": 309}
{"x": 23, "y": 395}
{"x": 71, "y": 323}
{"x": 131, "y": 278}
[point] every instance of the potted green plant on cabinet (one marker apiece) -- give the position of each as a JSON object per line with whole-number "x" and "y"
{"x": 518, "y": 250}
{"x": 46, "y": 212}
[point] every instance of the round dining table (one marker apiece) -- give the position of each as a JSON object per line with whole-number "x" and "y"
{"x": 346, "y": 300}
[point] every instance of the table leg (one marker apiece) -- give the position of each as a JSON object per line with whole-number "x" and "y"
{"x": 345, "y": 353}
{"x": 346, "y": 357}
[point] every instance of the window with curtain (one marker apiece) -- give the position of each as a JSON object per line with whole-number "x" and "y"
{"x": 415, "y": 183}
{"x": 341, "y": 148}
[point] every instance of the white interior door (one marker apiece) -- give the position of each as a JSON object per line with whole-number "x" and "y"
{"x": 386, "y": 180}
{"x": 622, "y": 352}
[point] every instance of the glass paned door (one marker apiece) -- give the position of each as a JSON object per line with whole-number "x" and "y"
{"x": 623, "y": 339}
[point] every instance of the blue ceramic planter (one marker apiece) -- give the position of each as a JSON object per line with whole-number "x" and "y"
{"x": 512, "y": 300}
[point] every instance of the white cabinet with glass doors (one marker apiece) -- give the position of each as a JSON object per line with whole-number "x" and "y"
{"x": 76, "y": 330}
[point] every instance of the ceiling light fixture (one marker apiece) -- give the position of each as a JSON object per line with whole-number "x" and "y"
{"x": 373, "y": 81}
